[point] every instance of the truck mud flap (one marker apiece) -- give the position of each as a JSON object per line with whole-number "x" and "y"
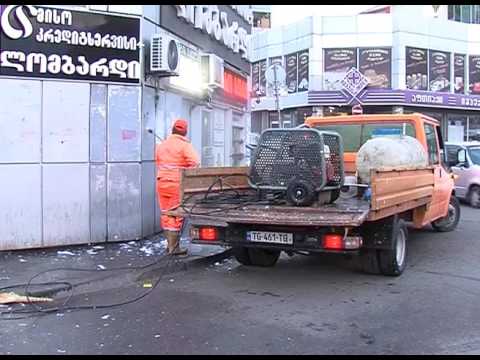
{"x": 378, "y": 234}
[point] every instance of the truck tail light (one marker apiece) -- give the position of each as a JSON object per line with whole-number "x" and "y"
{"x": 339, "y": 242}
{"x": 333, "y": 241}
{"x": 208, "y": 234}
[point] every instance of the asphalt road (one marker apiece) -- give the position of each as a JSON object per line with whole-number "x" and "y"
{"x": 303, "y": 305}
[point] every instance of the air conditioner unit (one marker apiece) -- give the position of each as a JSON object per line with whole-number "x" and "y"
{"x": 164, "y": 56}
{"x": 212, "y": 70}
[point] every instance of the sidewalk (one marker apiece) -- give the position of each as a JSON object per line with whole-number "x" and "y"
{"x": 20, "y": 266}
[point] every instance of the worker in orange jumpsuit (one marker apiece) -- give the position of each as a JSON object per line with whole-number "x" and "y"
{"x": 172, "y": 155}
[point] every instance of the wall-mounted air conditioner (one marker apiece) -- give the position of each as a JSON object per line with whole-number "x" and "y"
{"x": 212, "y": 70}
{"x": 164, "y": 55}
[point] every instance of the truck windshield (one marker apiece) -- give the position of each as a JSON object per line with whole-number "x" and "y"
{"x": 355, "y": 135}
{"x": 474, "y": 153}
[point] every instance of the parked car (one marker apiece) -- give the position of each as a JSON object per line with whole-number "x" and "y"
{"x": 464, "y": 160}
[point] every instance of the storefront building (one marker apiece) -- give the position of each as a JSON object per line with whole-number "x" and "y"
{"x": 398, "y": 58}
{"x": 79, "y": 92}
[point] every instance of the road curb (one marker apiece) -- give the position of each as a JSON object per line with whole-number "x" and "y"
{"x": 180, "y": 265}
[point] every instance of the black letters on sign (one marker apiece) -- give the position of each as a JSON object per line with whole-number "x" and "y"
{"x": 41, "y": 42}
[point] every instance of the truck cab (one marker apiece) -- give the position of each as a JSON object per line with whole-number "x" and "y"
{"x": 358, "y": 129}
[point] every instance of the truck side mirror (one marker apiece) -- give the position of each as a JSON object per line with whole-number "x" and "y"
{"x": 462, "y": 158}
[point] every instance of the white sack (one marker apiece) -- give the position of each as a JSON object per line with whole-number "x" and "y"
{"x": 397, "y": 152}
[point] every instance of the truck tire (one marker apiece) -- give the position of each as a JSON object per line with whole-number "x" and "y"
{"x": 263, "y": 257}
{"x": 241, "y": 255}
{"x": 474, "y": 196}
{"x": 450, "y": 221}
{"x": 369, "y": 261}
{"x": 393, "y": 261}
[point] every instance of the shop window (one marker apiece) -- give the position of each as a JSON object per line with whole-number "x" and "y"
{"x": 300, "y": 115}
{"x": 238, "y": 140}
{"x": 287, "y": 119}
{"x": 457, "y": 128}
{"x": 237, "y": 145}
{"x": 431, "y": 144}
{"x": 273, "y": 120}
{"x": 466, "y": 13}
{"x": 476, "y": 14}
{"x": 473, "y": 128}
{"x": 457, "y": 11}
{"x": 261, "y": 20}
{"x": 450, "y": 12}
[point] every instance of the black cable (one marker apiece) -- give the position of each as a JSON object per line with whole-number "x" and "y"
{"x": 237, "y": 201}
{"x": 223, "y": 196}
{"x": 38, "y": 311}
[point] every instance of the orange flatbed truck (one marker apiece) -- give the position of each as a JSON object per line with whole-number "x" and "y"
{"x": 374, "y": 228}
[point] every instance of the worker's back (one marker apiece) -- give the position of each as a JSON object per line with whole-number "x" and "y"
{"x": 172, "y": 155}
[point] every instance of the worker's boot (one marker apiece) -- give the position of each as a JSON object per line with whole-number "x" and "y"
{"x": 174, "y": 244}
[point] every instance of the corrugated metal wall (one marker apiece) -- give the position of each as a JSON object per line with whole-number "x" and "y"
{"x": 76, "y": 164}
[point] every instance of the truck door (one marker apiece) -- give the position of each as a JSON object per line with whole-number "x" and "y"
{"x": 443, "y": 181}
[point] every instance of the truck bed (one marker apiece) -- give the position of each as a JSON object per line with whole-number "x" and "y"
{"x": 393, "y": 191}
{"x": 344, "y": 212}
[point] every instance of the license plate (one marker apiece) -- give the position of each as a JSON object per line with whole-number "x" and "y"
{"x": 270, "y": 237}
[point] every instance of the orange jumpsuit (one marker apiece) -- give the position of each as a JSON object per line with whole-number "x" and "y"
{"x": 173, "y": 154}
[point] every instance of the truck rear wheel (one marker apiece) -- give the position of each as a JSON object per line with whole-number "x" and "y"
{"x": 386, "y": 250}
{"x": 450, "y": 221}
{"x": 392, "y": 261}
{"x": 369, "y": 261}
{"x": 241, "y": 255}
{"x": 263, "y": 257}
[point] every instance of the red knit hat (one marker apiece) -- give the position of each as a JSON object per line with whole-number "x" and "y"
{"x": 181, "y": 126}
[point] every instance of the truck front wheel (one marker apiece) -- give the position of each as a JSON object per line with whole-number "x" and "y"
{"x": 450, "y": 221}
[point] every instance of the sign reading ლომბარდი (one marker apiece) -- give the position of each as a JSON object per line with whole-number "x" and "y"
{"x": 54, "y": 43}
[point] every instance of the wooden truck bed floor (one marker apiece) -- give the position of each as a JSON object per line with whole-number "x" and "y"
{"x": 344, "y": 212}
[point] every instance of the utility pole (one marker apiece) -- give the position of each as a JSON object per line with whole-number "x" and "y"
{"x": 277, "y": 95}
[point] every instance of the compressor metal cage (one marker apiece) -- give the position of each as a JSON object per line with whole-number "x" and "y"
{"x": 283, "y": 156}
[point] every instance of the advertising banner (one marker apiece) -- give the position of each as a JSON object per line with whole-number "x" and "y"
{"x": 459, "y": 73}
{"x": 276, "y": 60}
{"x": 439, "y": 71}
{"x": 303, "y": 62}
{"x": 416, "y": 68}
{"x": 292, "y": 72}
{"x": 376, "y": 65}
{"x": 336, "y": 64}
{"x": 474, "y": 74}
{"x": 41, "y": 42}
